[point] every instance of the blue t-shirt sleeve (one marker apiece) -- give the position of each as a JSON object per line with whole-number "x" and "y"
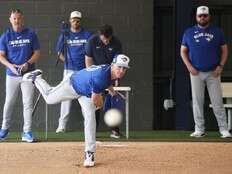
{"x": 222, "y": 38}
{"x": 3, "y": 42}
{"x": 88, "y": 48}
{"x": 98, "y": 80}
{"x": 35, "y": 42}
{"x": 59, "y": 44}
{"x": 96, "y": 90}
{"x": 89, "y": 35}
{"x": 185, "y": 40}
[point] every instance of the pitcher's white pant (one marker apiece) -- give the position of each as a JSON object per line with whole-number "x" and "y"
{"x": 65, "y": 105}
{"x": 13, "y": 84}
{"x": 213, "y": 84}
{"x": 64, "y": 91}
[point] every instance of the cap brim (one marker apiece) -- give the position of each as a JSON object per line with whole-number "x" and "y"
{"x": 122, "y": 65}
{"x": 202, "y": 13}
{"x": 71, "y": 17}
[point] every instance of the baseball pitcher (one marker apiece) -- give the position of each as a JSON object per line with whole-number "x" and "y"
{"x": 87, "y": 86}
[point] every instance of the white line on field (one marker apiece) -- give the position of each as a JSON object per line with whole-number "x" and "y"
{"x": 108, "y": 144}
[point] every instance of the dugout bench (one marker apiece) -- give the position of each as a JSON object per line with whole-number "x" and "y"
{"x": 227, "y": 95}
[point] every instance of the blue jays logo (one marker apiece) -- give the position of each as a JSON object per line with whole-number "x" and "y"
{"x": 207, "y": 36}
{"x": 124, "y": 59}
{"x": 203, "y": 8}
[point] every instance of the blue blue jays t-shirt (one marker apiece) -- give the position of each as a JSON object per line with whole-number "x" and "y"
{"x": 94, "y": 79}
{"x": 204, "y": 46}
{"x": 75, "y": 50}
{"x": 19, "y": 47}
{"x": 101, "y": 53}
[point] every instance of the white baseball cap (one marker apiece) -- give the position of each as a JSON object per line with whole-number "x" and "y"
{"x": 75, "y": 14}
{"x": 121, "y": 60}
{"x": 202, "y": 10}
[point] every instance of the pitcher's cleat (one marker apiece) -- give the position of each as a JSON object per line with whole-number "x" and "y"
{"x": 89, "y": 159}
{"x": 31, "y": 76}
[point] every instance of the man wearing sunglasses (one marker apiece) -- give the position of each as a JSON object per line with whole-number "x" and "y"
{"x": 204, "y": 52}
{"x": 71, "y": 51}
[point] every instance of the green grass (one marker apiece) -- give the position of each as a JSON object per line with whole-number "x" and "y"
{"x": 156, "y": 136}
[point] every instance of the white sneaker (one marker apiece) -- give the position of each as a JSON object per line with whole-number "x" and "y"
{"x": 197, "y": 134}
{"x": 225, "y": 134}
{"x": 60, "y": 130}
{"x": 31, "y": 76}
{"x": 89, "y": 159}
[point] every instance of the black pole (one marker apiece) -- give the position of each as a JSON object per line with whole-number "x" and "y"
{"x": 172, "y": 79}
{"x": 183, "y": 19}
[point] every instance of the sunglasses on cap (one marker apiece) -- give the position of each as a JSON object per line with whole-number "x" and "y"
{"x": 203, "y": 15}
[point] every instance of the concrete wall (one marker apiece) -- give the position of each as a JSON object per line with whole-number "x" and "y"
{"x": 132, "y": 21}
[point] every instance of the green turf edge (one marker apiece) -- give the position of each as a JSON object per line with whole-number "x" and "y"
{"x": 136, "y": 136}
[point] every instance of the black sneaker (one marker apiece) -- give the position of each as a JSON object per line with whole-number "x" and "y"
{"x": 115, "y": 134}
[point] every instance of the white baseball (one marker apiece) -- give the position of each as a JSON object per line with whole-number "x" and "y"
{"x": 113, "y": 118}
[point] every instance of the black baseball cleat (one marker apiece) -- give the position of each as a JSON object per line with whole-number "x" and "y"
{"x": 115, "y": 134}
{"x": 31, "y": 76}
{"x": 89, "y": 159}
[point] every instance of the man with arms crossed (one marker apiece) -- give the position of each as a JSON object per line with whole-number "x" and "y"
{"x": 19, "y": 50}
{"x": 204, "y": 53}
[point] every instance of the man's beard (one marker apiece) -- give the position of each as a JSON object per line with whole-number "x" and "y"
{"x": 203, "y": 24}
